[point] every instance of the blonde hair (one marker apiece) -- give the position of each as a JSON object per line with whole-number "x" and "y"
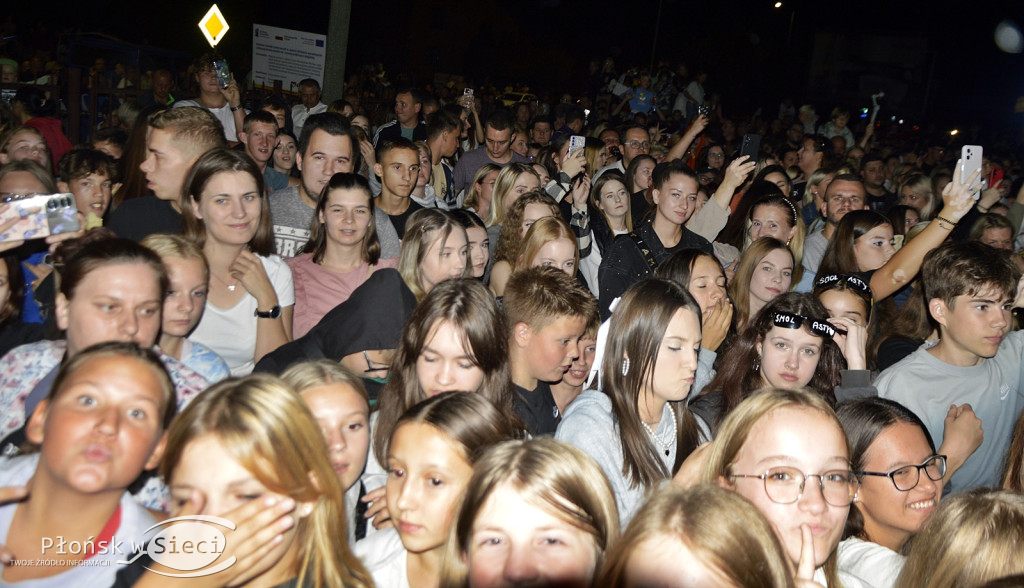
{"x": 423, "y": 229}
{"x": 736, "y": 428}
{"x": 553, "y": 476}
{"x": 506, "y": 180}
{"x": 739, "y": 286}
{"x": 263, "y": 423}
{"x": 972, "y": 538}
{"x": 319, "y": 372}
{"x": 921, "y": 185}
{"x": 176, "y": 246}
{"x": 720, "y": 528}
{"x": 543, "y": 231}
{"x": 472, "y": 191}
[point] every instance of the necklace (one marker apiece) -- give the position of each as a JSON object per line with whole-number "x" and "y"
{"x": 666, "y": 446}
{"x": 231, "y": 287}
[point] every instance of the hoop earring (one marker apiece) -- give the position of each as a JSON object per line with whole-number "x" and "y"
{"x": 625, "y": 367}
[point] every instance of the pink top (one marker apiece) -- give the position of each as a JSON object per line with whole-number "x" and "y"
{"x": 318, "y": 290}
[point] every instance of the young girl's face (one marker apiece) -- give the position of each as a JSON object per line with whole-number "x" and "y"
{"x": 788, "y": 357}
{"x": 423, "y": 177}
{"x": 445, "y": 364}
{"x": 230, "y": 207}
{"x": 542, "y": 172}
{"x": 843, "y": 303}
{"x": 532, "y": 213}
{"x": 578, "y": 372}
{"x": 427, "y": 474}
{"x": 347, "y": 216}
{"x": 664, "y": 560}
{"x": 642, "y": 177}
{"x": 104, "y": 427}
{"x": 487, "y": 185}
{"x": 479, "y": 250}
{"x": 808, "y": 441}
{"x": 707, "y": 283}
{"x": 186, "y": 298}
{"x": 891, "y": 516}
{"x": 284, "y": 153}
{"x": 772, "y": 276}
{"x": 524, "y": 183}
{"x": 559, "y": 254}
{"x": 445, "y": 259}
{"x": 677, "y": 198}
{"x": 874, "y": 248}
{"x": 208, "y": 467}
{"x": 515, "y": 542}
{"x": 343, "y": 416}
{"x": 676, "y": 361}
{"x": 614, "y": 199}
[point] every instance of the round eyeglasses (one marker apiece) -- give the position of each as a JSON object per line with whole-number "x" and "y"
{"x": 785, "y": 485}
{"x": 907, "y": 478}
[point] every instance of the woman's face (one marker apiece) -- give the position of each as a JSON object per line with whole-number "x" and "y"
{"x": 642, "y": 178}
{"x": 614, "y": 200}
{"x": 446, "y": 364}
{"x": 542, "y": 172}
{"x": 911, "y": 218}
{"x": 361, "y": 122}
{"x": 487, "y": 186}
{"x": 677, "y": 198}
{"x": 716, "y": 157}
{"x": 346, "y": 217}
{"x": 479, "y": 250}
{"x": 772, "y": 276}
{"x": 114, "y": 302}
{"x": 532, "y": 213}
{"x": 807, "y": 440}
{"x": 676, "y": 362}
{"x": 445, "y": 259}
{"x": 344, "y": 419}
{"x": 284, "y": 153}
{"x": 874, "y": 248}
{"x": 559, "y": 254}
{"x": 890, "y": 515}
{"x": 772, "y": 221}
{"x": 519, "y": 145}
{"x": 208, "y": 467}
{"x": 781, "y": 180}
{"x": 230, "y": 208}
{"x": 843, "y": 303}
{"x": 186, "y": 299}
{"x": 423, "y": 175}
{"x": 523, "y": 184}
{"x": 427, "y": 474}
{"x": 514, "y": 542}
{"x": 912, "y": 199}
{"x": 707, "y": 283}
{"x": 998, "y": 237}
{"x": 789, "y": 357}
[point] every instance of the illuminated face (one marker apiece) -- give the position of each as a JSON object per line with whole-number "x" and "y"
{"x": 524, "y": 182}
{"x": 446, "y": 364}
{"x": 344, "y": 419}
{"x": 92, "y": 193}
{"x": 613, "y": 201}
{"x": 874, "y": 248}
{"x": 550, "y": 351}
{"x": 974, "y": 325}
{"x": 260, "y": 141}
{"x": 103, "y": 428}
{"x": 398, "y": 170}
{"x": 515, "y": 542}
{"x": 676, "y": 361}
{"x": 186, "y": 298}
{"x": 909, "y": 197}
{"x": 580, "y": 369}
{"x": 841, "y": 197}
{"x": 347, "y": 216}
{"x": 407, "y": 111}
{"x": 427, "y": 474}
{"x": 230, "y": 208}
{"x": 284, "y": 154}
{"x": 772, "y": 276}
{"x": 788, "y": 357}
{"x": 479, "y": 250}
{"x": 642, "y": 178}
{"x": 498, "y": 142}
{"x": 638, "y": 142}
{"x": 445, "y": 260}
{"x": 772, "y": 221}
{"x": 809, "y": 441}
{"x": 165, "y": 166}
{"x": 843, "y": 303}
{"x": 559, "y": 254}
{"x": 532, "y": 213}
{"x": 707, "y": 283}
{"x": 325, "y": 156}
{"x": 677, "y": 198}
{"x": 998, "y": 237}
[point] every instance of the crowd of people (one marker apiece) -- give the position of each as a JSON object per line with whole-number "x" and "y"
{"x": 587, "y": 342}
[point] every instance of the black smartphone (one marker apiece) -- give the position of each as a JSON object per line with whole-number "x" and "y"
{"x": 750, "y": 145}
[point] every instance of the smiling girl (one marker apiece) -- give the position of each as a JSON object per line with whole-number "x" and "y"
{"x": 764, "y": 272}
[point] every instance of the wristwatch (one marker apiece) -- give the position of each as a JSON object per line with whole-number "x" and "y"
{"x": 273, "y": 313}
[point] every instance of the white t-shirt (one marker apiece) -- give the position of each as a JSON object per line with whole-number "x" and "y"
{"x": 231, "y": 332}
{"x": 223, "y": 114}
{"x": 385, "y": 558}
{"x": 870, "y": 562}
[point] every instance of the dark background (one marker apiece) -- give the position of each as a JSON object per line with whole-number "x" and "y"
{"x": 937, "y": 61}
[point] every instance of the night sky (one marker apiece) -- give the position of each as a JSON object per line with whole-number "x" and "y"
{"x": 951, "y": 72}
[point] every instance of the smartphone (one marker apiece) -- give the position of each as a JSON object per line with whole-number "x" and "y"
{"x": 223, "y": 73}
{"x": 995, "y": 177}
{"x": 750, "y": 145}
{"x": 703, "y": 110}
{"x": 970, "y": 161}
{"x": 468, "y": 92}
{"x": 576, "y": 143}
{"x": 40, "y": 216}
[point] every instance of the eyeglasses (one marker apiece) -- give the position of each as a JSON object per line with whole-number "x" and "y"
{"x": 906, "y": 478}
{"x": 374, "y": 366}
{"x": 639, "y": 144}
{"x": 785, "y": 485}
{"x": 853, "y": 281}
{"x": 788, "y": 320}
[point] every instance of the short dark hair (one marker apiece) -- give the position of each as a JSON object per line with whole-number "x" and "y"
{"x": 111, "y": 135}
{"x": 967, "y": 267}
{"x": 501, "y": 120}
{"x": 543, "y": 118}
{"x": 310, "y": 83}
{"x": 870, "y": 158}
{"x": 388, "y": 145}
{"x": 84, "y": 161}
{"x": 442, "y": 121}
{"x": 258, "y": 116}
{"x": 417, "y": 96}
{"x": 333, "y": 124}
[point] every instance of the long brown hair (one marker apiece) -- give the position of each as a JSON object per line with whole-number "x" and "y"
{"x": 317, "y": 244}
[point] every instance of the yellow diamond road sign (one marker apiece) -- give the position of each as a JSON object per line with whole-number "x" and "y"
{"x": 213, "y": 25}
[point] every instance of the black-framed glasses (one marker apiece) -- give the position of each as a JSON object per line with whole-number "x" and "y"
{"x": 785, "y": 485}
{"x": 853, "y": 281}
{"x": 639, "y": 144}
{"x": 908, "y": 477}
{"x": 374, "y": 366}
{"x": 789, "y": 320}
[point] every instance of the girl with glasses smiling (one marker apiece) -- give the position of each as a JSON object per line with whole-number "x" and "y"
{"x": 901, "y": 482}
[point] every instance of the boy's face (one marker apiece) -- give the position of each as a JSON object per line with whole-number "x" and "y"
{"x": 550, "y": 350}
{"x": 92, "y": 193}
{"x": 398, "y": 170}
{"x": 973, "y": 326}
{"x": 104, "y": 427}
